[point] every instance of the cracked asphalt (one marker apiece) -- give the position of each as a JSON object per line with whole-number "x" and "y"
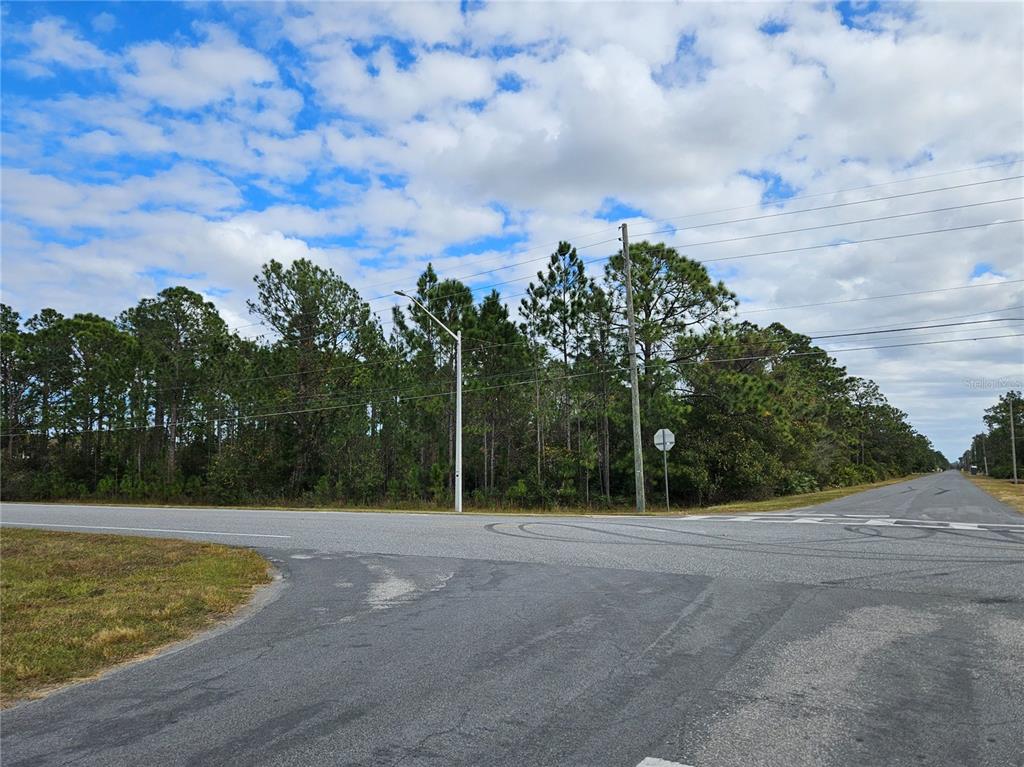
{"x": 859, "y": 632}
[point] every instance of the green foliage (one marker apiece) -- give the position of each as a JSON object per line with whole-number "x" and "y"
{"x": 166, "y": 404}
{"x": 992, "y": 448}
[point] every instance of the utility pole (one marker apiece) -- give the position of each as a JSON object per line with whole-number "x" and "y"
{"x": 638, "y": 448}
{"x": 1013, "y": 442}
{"x": 458, "y": 421}
{"x": 458, "y": 397}
{"x": 984, "y": 452}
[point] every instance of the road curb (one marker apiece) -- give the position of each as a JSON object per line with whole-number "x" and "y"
{"x": 262, "y": 597}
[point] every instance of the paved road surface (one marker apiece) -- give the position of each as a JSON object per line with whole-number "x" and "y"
{"x": 882, "y": 629}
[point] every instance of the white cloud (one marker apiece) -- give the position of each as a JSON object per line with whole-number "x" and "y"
{"x": 435, "y": 81}
{"x": 53, "y": 43}
{"x": 104, "y": 22}
{"x": 194, "y": 76}
{"x": 63, "y": 206}
{"x": 659, "y": 106}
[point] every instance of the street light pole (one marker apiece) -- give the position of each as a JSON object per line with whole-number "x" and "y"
{"x": 458, "y": 397}
{"x": 458, "y": 421}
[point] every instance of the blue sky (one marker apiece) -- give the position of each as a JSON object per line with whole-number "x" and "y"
{"x": 149, "y": 144}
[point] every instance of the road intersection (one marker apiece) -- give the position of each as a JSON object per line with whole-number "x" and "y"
{"x": 883, "y": 628}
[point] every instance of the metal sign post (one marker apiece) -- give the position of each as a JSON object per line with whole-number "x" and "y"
{"x": 664, "y": 440}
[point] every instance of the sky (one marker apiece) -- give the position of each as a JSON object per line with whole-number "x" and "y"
{"x": 151, "y": 144}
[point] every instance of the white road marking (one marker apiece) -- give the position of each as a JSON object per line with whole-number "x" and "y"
{"x": 655, "y": 762}
{"x": 862, "y": 519}
{"x": 145, "y": 530}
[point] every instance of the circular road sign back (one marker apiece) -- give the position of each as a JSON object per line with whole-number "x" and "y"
{"x": 664, "y": 440}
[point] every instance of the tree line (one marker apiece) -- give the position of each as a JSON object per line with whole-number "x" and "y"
{"x": 990, "y": 449}
{"x": 165, "y": 402}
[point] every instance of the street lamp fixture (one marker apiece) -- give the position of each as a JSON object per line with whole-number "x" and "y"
{"x": 458, "y": 396}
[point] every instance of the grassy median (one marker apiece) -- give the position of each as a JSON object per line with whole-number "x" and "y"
{"x": 1002, "y": 490}
{"x": 73, "y": 604}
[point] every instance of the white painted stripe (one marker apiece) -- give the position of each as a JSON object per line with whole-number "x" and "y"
{"x": 928, "y": 524}
{"x": 655, "y": 762}
{"x": 145, "y": 530}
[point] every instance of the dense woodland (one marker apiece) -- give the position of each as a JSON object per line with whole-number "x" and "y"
{"x": 990, "y": 450}
{"x": 333, "y": 405}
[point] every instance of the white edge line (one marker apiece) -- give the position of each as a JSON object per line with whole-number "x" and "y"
{"x": 223, "y": 509}
{"x": 143, "y": 530}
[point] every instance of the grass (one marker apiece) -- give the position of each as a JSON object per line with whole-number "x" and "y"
{"x": 73, "y": 604}
{"x": 654, "y": 505}
{"x": 787, "y": 502}
{"x": 1002, "y": 490}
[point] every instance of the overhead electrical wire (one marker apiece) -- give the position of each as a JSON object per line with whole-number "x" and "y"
{"x": 930, "y": 319}
{"x": 676, "y": 230}
{"x": 916, "y": 327}
{"x": 356, "y": 364}
{"x": 785, "y": 201}
{"x": 842, "y": 223}
{"x": 731, "y": 221}
{"x": 877, "y": 298}
{"x": 471, "y": 390}
{"x": 781, "y": 251}
{"x": 861, "y": 242}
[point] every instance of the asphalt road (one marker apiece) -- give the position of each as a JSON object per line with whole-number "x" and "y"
{"x": 886, "y": 628}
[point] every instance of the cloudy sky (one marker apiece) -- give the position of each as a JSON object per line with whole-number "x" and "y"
{"x": 150, "y": 144}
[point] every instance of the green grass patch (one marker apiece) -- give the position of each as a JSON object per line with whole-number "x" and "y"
{"x": 786, "y": 502}
{"x": 1002, "y": 490}
{"x": 655, "y": 505}
{"x": 73, "y": 604}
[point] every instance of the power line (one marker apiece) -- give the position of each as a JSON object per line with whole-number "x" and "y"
{"x": 675, "y": 230}
{"x": 876, "y": 298}
{"x": 917, "y": 327}
{"x": 841, "y": 191}
{"x": 357, "y": 364}
{"x": 835, "y": 205}
{"x": 549, "y": 379}
{"x": 787, "y": 201}
{"x": 840, "y": 223}
{"x": 711, "y": 242}
{"x": 931, "y": 319}
{"x": 772, "y": 252}
{"x": 923, "y": 343}
{"x": 861, "y": 242}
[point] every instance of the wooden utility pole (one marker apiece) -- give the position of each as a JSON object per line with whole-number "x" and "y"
{"x": 1013, "y": 442}
{"x": 638, "y": 447}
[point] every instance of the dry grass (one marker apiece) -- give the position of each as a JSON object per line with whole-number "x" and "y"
{"x": 73, "y": 604}
{"x": 779, "y": 503}
{"x": 787, "y": 502}
{"x": 1002, "y": 490}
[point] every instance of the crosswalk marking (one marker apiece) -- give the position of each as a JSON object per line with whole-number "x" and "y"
{"x": 864, "y": 520}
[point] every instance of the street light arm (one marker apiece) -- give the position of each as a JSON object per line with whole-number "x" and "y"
{"x": 458, "y": 397}
{"x": 447, "y": 329}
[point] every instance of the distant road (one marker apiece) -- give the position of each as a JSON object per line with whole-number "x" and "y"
{"x": 885, "y": 628}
